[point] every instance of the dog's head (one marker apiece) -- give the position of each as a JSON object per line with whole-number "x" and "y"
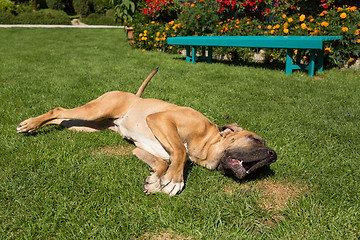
{"x": 244, "y": 152}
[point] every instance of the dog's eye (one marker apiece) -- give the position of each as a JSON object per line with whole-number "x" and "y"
{"x": 257, "y": 140}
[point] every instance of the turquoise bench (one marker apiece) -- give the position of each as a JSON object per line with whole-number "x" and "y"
{"x": 313, "y": 43}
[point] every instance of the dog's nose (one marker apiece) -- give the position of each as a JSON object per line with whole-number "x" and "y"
{"x": 272, "y": 155}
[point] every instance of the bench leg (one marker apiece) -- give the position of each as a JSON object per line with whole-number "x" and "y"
{"x": 193, "y": 55}
{"x": 188, "y": 57}
{"x": 289, "y": 61}
{"x": 320, "y": 62}
{"x": 311, "y": 66}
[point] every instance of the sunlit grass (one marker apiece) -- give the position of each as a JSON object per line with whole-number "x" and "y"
{"x": 62, "y": 184}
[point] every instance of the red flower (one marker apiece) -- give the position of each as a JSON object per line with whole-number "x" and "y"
{"x": 244, "y": 4}
{"x": 267, "y": 10}
{"x": 325, "y": 6}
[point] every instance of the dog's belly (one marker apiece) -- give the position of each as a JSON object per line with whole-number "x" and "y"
{"x": 133, "y": 126}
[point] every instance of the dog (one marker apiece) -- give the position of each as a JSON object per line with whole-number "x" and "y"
{"x": 165, "y": 136}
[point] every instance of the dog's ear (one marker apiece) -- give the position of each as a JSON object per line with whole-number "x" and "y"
{"x": 229, "y": 128}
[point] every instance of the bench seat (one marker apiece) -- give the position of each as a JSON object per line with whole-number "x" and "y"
{"x": 313, "y": 43}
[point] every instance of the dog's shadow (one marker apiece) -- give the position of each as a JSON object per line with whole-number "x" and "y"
{"x": 260, "y": 174}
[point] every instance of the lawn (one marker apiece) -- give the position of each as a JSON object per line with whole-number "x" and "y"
{"x": 61, "y": 184}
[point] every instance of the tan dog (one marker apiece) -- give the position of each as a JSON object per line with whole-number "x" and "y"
{"x": 164, "y": 135}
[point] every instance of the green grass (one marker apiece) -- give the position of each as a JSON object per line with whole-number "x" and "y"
{"x": 61, "y": 184}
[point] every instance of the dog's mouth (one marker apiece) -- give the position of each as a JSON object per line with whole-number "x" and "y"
{"x": 240, "y": 168}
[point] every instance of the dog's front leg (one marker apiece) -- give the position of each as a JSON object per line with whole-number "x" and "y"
{"x": 158, "y": 169}
{"x": 164, "y": 129}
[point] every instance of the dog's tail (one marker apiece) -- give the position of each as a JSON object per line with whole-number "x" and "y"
{"x": 147, "y": 80}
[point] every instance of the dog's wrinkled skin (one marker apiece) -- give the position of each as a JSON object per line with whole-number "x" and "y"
{"x": 165, "y": 135}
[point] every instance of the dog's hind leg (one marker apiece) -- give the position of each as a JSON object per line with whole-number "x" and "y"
{"x": 158, "y": 169}
{"x": 110, "y": 105}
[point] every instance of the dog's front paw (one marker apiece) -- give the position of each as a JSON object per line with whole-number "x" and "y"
{"x": 28, "y": 125}
{"x": 171, "y": 186}
{"x": 152, "y": 184}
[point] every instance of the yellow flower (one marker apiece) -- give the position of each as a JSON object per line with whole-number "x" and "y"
{"x": 327, "y": 50}
{"x": 158, "y": 34}
{"x": 152, "y": 22}
{"x": 259, "y": 27}
{"x": 290, "y": 20}
{"x": 303, "y": 26}
{"x": 192, "y": 5}
{"x": 324, "y": 24}
{"x": 170, "y": 47}
{"x": 345, "y": 29}
{"x": 343, "y": 15}
{"x": 296, "y": 51}
{"x": 302, "y": 17}
{"x": 286, "y": 30}
{"x": 272, "y": 31}
{"x": 269, "y": 27}
{"x": 140, "y": 35}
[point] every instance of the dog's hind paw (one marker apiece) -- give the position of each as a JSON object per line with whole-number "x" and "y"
{"x": 152, "y": 184}
{"x": 28, "y": 125}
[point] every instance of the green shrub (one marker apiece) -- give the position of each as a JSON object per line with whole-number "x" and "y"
{"x": 82, "y": 7}
{"x": 55, "y": 4}
{"x": 85, "y": 7}
{"x": 98, "y": 19}
{"x": 200, "y": 17}
{"x": 7, "y": 6}
{"x": 7, "y": 18}
{"x": 44, "y": 16}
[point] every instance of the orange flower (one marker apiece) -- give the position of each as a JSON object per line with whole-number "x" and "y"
{"x": 198, "y": 16}
{"x": 290, "y": 20}
{"x": 259, "y": 27}
{"x": 324, "y": 24}
{"x": 343, "y": 15}
{"x": 351, "y": 60}
{"x": 345, "y": 29}
{"x": 284, "y": 16}
{"x": 327, "y": 50}
{"x": 353, "y": 9}
{"x": 269, "y": 27}
{"x": 192, "y": 5}
{"x": 302, "y": 17}
{"x": 323, "y": 13}
{"x": 303, "y": 26}
{"x": 272, "y": 31}
{"x": 143, "y": 50}
{"x": 286, "y": 30}
{"x": 358, "y": 41}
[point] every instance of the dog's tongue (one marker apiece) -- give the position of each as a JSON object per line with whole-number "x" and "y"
{"x": 234, "y": 161}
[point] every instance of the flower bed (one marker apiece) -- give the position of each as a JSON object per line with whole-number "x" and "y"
{"x": 204, "y": 17}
